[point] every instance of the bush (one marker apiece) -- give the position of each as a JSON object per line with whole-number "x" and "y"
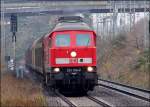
{"x": 119, "y": 41}
{"x": 143, "y": 62}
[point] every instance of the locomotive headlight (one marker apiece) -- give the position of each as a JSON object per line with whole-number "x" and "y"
{"x": 89, "y": 69}
{"x": 73, "y": 54}
{"x": 56, "y": 69}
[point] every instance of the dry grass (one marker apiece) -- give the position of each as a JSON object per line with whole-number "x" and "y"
{"x": 119, "y": 67}
{"x": 17, "y": 92}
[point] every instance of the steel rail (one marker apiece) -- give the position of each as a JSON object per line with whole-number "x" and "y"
{"x": 104, "y": 104}
{"x": 113, "y": 87}
{"x": 98, "y": 101}
{"x": 65, "y": 99}
{"x": 131, "y": 87}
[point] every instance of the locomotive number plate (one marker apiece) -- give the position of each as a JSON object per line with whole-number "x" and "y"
{"x": 73, "y": 69}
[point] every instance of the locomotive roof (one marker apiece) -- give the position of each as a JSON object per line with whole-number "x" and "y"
{"x": 71, "y": 26}
{"x": 70, "y": 18}
{"x": 65, "y": 26}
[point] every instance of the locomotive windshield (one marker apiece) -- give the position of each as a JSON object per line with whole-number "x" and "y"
{"x": 78, "y": 39}
{"x": 63, "y": 40}
{"x": 82, "y": 39}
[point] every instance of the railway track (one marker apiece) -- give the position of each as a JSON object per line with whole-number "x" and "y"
{"x": 90, "y": 100}
{"x": 125, "y": 89}
{"x": 65, "y": 99}
{"x": 76, "y": 101}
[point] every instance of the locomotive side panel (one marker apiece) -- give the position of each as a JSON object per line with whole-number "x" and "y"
{"x": 33, "y": 57}
{"x": 47, "y": 54}
{"x": 37, "y": 55}
{"x": 28, "y": 57}
{"x": 38, "y": 58}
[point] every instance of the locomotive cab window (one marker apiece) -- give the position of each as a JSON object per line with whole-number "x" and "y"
{"x": 62, "y": 40}
{"x": 83, "y": 39}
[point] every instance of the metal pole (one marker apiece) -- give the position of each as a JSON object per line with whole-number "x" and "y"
{"x": 14, "y": 48}
{"x": 120, "y": 20}
{"x": 113, "y": 18}
{"x": 3, "y": 49}
{"x": 134, "y": 14}
{"x": 124, "y": 30}
{"x": 130, "y": 15}
{"x": 97, "y": 24}
{"x": 106, "y": 25}
{"x": 145, "y": 35}
{"x": 103, "y": 27}
{"x": 111, "y": 21}
{"x": 110, "y": 33}
{"x": 14, "y": 30}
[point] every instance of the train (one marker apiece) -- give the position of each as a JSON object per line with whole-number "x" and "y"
{"x": 66, "y": 56}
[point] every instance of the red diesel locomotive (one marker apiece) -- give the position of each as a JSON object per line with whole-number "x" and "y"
{"x": 66, "y": 57}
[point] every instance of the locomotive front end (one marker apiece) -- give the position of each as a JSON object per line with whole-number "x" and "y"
{"x": 73, "y": 59}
